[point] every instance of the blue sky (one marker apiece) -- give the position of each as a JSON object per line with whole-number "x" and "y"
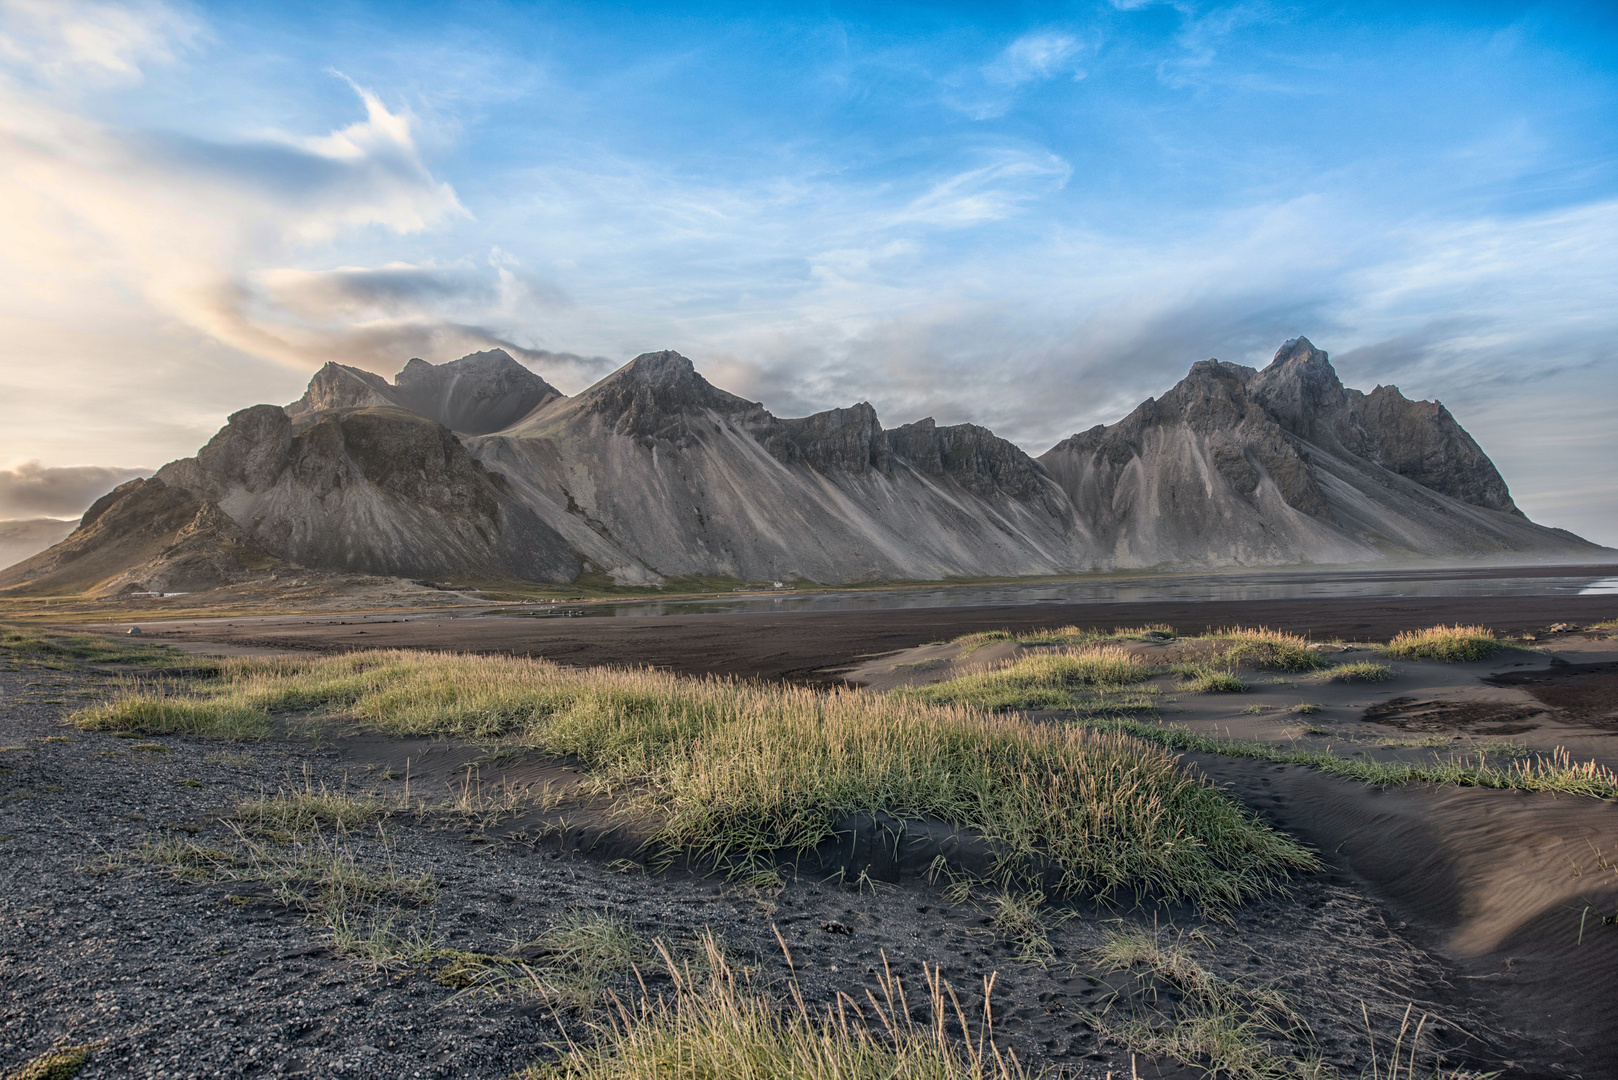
{"x": 1027, "y": 216}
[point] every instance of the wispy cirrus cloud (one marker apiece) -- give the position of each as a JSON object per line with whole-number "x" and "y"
{"x": 95, "y": 40}
{"x": 1035, "y": 56}
{"x": 989, "y": 90}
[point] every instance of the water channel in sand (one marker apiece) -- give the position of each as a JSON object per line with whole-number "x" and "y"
{"x": 1267, "y": 585}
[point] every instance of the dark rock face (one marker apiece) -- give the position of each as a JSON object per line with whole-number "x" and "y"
{"x": 378, "y": 490}
{"x": 1213, "y": 463}
{"x": 1421, "y": 440}
{"x": 848, "y": 440}
{"x": 144, "y": 535}
{"x": 1416, "y": 439}
{"x": 475, "y": 395}
{"x": 251, "y": 449}
{"x": 338, "y": 386}
{"x": 975, "y": 458}
{"x": 654, "y": 397}
{"x": 1246, "y": 444}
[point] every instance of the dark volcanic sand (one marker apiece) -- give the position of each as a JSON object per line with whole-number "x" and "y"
{"x": 1449, "y": 876}
{"x": 192, "y": 978}
{"x": 808, "y": 646}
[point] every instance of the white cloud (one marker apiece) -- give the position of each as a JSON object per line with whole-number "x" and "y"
{"x": 995, "y": 189}
{"x": 185, "y": 223}
{"x": 1034, "y": 56}
{"x": 89, "y": 39}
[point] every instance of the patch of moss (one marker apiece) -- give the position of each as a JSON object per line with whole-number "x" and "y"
{"x": 58, "y": 1063}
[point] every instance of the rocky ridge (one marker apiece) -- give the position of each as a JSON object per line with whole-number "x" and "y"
{"x": 1287, "y": 465}
{"x": 478, "y": 467}
{"x": 477, "y": 394}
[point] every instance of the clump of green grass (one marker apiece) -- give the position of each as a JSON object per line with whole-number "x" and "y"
{"x": 1044, "y": 681}
{"x": 293, "y": 813}
{"x": 737, "y": 772}
{"x": 569, "y": 964}
{"x": 171, "y": 709}
{"x": 971, "y": 643}
{"x": 320, "y": 876}
{"x": 1447, "y": 644}
{"x": 1208, "y": 680}
{"x": 1017, "y": 916}
{"x": 1556, "y": 771}
{"x": 572, "y": 961}
{"x": 1065, "y": 635}
{"x": 1359, "y": 671}
{"x": 57, "y": 1063}
{"x": 1266, "y": 650}
{"x": 1307, "y": 709}
{"x": 1228, "y": 1029}
{"x": 43, "y": 648}
{"x": 715, "y": 1024}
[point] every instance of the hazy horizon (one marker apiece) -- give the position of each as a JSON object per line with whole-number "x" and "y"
{"x": 1029, "y": 218}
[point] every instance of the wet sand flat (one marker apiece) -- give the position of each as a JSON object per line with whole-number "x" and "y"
{"x": 810, "y": 647}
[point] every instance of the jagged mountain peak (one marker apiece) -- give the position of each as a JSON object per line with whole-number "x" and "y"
{"x": 480, "y": 393}
{"x": 489, "y": 361}
{"x": 654, "y": 396}
{"x": 1300, "y": 388}
{"x": 338, "y": 386}
{"x": 1300, "y": 349}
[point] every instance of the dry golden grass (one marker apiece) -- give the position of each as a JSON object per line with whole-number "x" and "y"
{"x": 716, "y": 1025}
{"x": 738, "y": 772}
{"x": 1266, "y": 649}
{"x": 1359, "y": 671}
{"x": 1447, "y": 644}
{"x": 1040, "y": 681}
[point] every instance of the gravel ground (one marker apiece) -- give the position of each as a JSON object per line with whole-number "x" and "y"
{"x": 182, "y": 977}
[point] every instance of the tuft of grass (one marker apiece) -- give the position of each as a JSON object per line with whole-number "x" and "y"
{"x": 1266, "y": 649}
{"x": 1398, "y": 1062}
{"x": 1359, "y": 671}
{"x": 1447, "y": 644}
{"x": 1207, "y": 680}
{"x": 1306, "y": 709}
{"x": 715, "y": 1024}
{"x": 1044, "y": 681}
{"x": 293, "y": 813}
{"x": 1065, "y": 635}
{"x": 1556, "y": 771}
{"x": 42, "y": 648}
{"x": 57, "y": 1063}
{"x": 570, "y": 964}
{"x": 1218, "y": 1025}
{"x": 170, "y": 709}
{"x": 1017, "y": 916}
{"x": 737, "y": 772}
{"x": 320, "y": 876}
{"x": 971, "y": 643}
{"x": 485, "y": 805}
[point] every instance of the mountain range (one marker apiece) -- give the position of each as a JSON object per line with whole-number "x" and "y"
{"x": 479, "y": 469}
